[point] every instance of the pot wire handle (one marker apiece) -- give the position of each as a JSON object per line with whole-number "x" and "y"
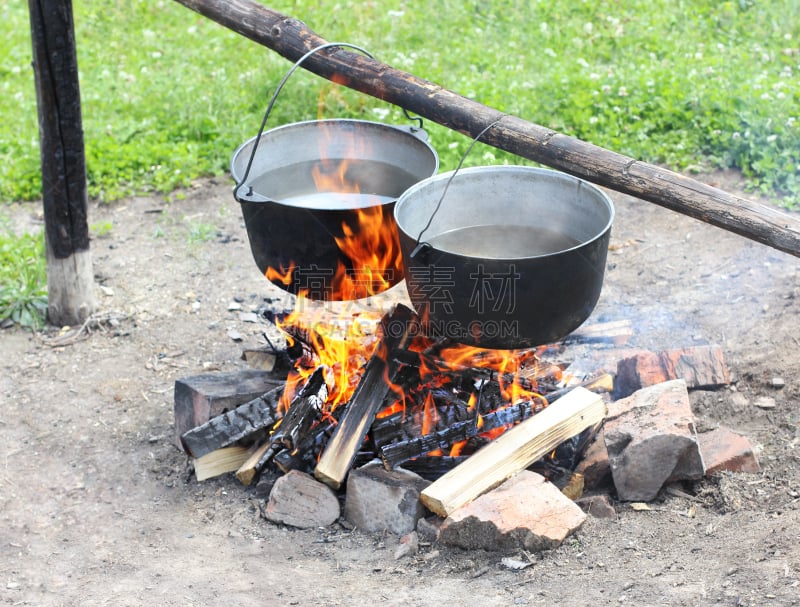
{"x": 420, "y": 245}
{"x": 274, "y": 98}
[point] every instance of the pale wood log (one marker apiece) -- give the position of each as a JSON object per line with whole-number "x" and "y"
{"x": 514, "y": 450}
{"x": 219, "y": 462}
{"x": 293, "y": 39}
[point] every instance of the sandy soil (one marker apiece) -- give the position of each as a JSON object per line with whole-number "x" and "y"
{"x": 97, "y": 507}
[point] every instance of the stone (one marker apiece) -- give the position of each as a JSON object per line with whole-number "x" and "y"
{"x": 725, "y": 450}
{"x": 594, "y": 466}
{"x": 598, "y": 506}
{"x": 408, "y": 546}
{"x": 428, "y": 528}
{"x": 651, "y": 440}
{"x": 765, "y": 402}
{"x": 299, "y": 500}
{"x": 384, "y": 500}
{"x": 525, "y": 512}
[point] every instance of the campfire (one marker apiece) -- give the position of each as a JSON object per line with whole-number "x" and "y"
{"x": 358, "y": 394}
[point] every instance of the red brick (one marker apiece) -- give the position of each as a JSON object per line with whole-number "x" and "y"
{"x": 724, "y": 449}
{"x": 524, "y": 512}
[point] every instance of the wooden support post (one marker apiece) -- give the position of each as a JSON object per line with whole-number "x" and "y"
{"x": 70, "y": 279}
{"x": 292, "y": 39}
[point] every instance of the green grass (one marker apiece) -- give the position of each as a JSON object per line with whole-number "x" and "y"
{"x": 167, "y": 95}
{"x": 23, "y": 290}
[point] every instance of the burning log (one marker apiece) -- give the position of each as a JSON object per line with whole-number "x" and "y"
{"x": 304, "y": 456}
{"x": 375, "y": 383}
{"x": 514, "y": 450}
{"x": 293, "y": 39}
{"x": 242, "y": 422}
{"x": 304, "y": 410}
{"x": 397, "y": 453}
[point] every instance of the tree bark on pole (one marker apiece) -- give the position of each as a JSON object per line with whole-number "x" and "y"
{"x": 70, "y": 279}
{"x": 292, "y": 39}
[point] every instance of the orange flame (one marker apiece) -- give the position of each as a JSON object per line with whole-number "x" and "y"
{"x": 369, "y": 241}
{"x": 283, "y": 275}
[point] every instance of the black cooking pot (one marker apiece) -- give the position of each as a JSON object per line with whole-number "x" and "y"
{"x": 513, "y": 257}
{"x": 293, "y": 225}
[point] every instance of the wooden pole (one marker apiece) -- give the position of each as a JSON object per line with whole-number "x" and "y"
{"x": 292, "y": 39}
{"x": 70, "y": 280}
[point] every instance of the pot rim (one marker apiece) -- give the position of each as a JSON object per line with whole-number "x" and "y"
{"x": 407, "y": 129}
{"x": 403, "y": 201}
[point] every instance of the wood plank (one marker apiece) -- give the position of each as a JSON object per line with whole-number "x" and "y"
{"x": 699, "y": 366}
{"x": 219, "y": 462}
{"x": 292, "y": 39}
{"x": 514, "y": 450}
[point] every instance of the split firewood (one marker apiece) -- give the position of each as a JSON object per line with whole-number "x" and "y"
{"x": 201, "y": 397}
{"x": 303, "y": 411}
{"x": 243, "y": 422}
{"x": 360, "y": 412}
{"x": 256, "y": 461}
{"x": 219, "y": 462}
{"x": 514, "y": 450}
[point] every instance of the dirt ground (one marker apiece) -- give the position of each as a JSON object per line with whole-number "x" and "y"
{"x": 97, "y": 507}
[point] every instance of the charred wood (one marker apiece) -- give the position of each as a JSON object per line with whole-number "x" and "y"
{"x": 397, "y": 453}
{"x": 243, "y": 422}
{"x": 375, "y": 384}
{"x": 432, "y": 467}
{"x": 304, "y": 411}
